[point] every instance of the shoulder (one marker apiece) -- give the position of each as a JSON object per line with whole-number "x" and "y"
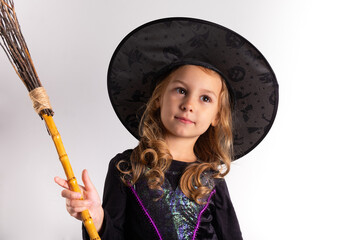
{"x": 220, "y": 185}
{"x": 122, "y": 160}
{"x": 219, "y": 182}
{"x": 124, "y": 156}
{"x": 222, "y": 197}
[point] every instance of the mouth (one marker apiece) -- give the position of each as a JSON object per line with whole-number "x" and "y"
{"x": 184, "y": 120}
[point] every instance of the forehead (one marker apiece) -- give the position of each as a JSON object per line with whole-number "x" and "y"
{"x": 196, "y": 76}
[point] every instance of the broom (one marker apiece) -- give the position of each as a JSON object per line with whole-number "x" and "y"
{"x": 17, "y": 52}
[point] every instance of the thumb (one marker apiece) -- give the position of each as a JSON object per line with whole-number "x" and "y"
{"x": 89, "y": 186}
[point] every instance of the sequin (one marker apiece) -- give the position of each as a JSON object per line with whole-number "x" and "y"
{"x": 174, "y": 216}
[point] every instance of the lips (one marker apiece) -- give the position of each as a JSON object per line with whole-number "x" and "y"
{"x": 184, "y": 120}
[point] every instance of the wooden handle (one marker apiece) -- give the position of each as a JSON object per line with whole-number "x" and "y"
{"x": 64, "y": 159}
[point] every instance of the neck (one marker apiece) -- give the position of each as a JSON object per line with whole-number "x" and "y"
{"x": 181, "y": 149}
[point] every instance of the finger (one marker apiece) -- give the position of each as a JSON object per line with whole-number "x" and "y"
{"x": 64, "y": 183}
{"x": 73, "y": 213}
{"x": 70, "y": 194}
{"x": 76, "y": 210}
{"x": 82, "y": 188}
{"x": 61, "y": 182}
{"x": 89, "y": 186}
{"x": 77, "y": 205}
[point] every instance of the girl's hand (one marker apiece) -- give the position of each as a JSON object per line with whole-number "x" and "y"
{"x": 91, "y": 200}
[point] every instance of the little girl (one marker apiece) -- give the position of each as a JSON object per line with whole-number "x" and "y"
{"x": 171, "y": 185}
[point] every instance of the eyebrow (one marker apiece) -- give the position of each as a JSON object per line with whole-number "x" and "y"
{"x": 202, "y": 89}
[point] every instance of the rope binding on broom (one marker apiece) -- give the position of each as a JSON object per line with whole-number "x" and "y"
{"x": 39, "y": 99}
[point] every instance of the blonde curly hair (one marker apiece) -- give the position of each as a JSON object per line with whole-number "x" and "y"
{"x": 152, "y": 157}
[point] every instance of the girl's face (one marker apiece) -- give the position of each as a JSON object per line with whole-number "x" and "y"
{"x": 190, "y": 102}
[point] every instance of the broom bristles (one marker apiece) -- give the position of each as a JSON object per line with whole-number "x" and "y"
{"x": 15, "y": 47}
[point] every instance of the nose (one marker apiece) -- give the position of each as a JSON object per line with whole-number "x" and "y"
{"x": 187, "y": 105}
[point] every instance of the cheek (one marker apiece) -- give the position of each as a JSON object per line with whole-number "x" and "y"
{"x": 170, "y": 102}
{"x": 208, "y": 116}
{"x": 214, "y": 115}
{"x": 165, "y": 110}
{"x": 164, "y": 106}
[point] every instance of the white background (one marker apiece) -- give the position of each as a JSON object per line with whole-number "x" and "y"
{"x": 301, "y": 182}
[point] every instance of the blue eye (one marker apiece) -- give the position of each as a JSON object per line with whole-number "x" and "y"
{"x": 181, "y": 90}
{"x": 205, "y": 98}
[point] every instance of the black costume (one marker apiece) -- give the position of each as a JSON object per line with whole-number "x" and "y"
{"x": 131, "y": 212}
{"x": 139, "y": 63}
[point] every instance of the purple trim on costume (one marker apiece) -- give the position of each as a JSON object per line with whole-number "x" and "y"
{"x": 146, "y": 212}
{"x": 201, "y": 212}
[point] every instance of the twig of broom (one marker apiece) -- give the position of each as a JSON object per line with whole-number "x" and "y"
{"x": 18, "y": 54}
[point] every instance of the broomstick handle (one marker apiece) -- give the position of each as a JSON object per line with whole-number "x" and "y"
{"x": 64, "y": 159}
{"x": 17, "y": 52}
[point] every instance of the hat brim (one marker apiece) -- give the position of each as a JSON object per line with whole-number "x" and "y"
{"x": 154, "y": 46}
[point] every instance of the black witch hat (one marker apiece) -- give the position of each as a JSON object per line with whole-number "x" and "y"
{"x": 158, "y": 46}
